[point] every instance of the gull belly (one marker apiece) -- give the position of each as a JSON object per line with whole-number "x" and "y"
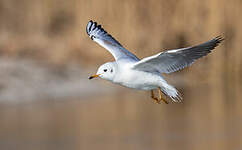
{"x": 138, "y": 79}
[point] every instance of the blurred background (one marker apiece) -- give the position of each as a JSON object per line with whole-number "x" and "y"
{"x": 48, "y": 103}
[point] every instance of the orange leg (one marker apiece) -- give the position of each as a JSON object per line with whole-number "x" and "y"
{"x": 161, "y": 98}
{"x": 157, "y": 101}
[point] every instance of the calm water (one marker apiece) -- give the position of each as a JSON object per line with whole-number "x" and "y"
{"x": 126, "y": 119}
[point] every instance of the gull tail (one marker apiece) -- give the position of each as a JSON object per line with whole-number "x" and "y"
{"x": 172, "y": 92}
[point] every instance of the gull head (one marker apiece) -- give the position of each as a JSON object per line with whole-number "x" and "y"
{"x": 105, "y": 71}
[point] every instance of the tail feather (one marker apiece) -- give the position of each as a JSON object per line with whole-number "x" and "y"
{"x": 172, "y": 92}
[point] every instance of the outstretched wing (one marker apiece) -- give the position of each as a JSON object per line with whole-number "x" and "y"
{"x": 174, "y": 60}
{"x": 99, "y": 35}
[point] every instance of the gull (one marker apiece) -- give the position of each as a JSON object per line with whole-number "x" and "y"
{"x": 145, "y": 74}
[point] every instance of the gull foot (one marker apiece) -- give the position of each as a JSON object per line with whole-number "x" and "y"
{"x": 161, "y": 98}
{"x": 155, "y": 99}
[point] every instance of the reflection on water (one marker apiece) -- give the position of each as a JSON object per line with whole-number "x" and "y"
{"x": 124, "y": 120}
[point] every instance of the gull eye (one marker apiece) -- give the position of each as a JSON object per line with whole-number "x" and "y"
{"x": 111, "y": 70}
{"x": 105, "y": 70}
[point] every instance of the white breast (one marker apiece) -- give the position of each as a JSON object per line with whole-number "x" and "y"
{"x": 136, "y": 79}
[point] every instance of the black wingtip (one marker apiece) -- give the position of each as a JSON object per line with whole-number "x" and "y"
{"x": 88, "y": 27}
{"x": 219, "y": 39}
{"x": 91, "y": 25}
{"x": 94, "y": 30}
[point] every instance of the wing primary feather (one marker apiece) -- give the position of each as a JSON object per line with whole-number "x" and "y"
{"x": 93, "y": 28}
{"x": 88, "y": 28}
{"x": 99, "y": 35}
{"x": 173, "y": 60}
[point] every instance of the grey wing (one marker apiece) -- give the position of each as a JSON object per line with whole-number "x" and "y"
{"x": 99, "y": 35}
{"x": 174, "y": 60}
